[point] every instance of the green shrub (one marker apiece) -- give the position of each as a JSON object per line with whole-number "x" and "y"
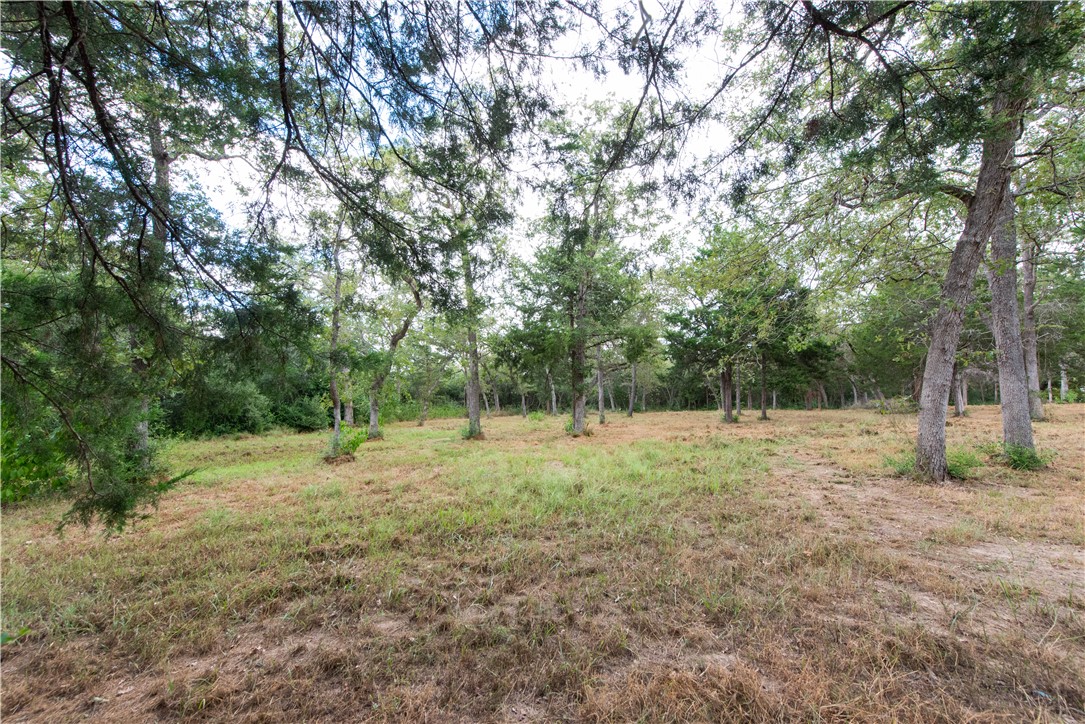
{"x": 536, "y": 416}
{"x": 218, "y": 405}
{"x": 305, "y": 414}
{"x": 569, "y": 429}
{"x": 34, "y": 461}
{"x": 959, "y": 463}
{"x": 1020, "y": 457}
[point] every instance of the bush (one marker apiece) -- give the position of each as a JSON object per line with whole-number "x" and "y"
{"x": 219, "y": 405}
{"x": 536, "y": 416}
{"x": 959, "y": 463}
{"x": 896, "y": 406}
{"x": 1020, "y": 457}
{"x": 305, "y": 414}
{"x": 34, "y": 461}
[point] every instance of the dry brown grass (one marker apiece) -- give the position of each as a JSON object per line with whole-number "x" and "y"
{"x": 667, "y": 568}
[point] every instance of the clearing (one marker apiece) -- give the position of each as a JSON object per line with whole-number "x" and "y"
{"x": 666, "y": 568}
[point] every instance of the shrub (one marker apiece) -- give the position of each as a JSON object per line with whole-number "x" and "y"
{"x": 34, "y": 461}
{"x": 959, "y": 463}
{"x": 896, "y": 406}
{"x": 569, "y": 429}
{"x": 1020, "y": 457}
{"x": 536, "y": 416}
{"x": 305, "y": 414}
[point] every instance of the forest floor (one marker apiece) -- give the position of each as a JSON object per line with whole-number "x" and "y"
{"x": 666, "y": 568}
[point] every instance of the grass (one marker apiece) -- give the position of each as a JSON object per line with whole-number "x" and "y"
{"x": 668, "y": 568}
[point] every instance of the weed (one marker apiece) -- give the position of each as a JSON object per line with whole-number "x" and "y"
{"x": 1020, "y": 457}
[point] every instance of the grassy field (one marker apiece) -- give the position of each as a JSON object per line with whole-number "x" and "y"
{"x": 666, "y": 568}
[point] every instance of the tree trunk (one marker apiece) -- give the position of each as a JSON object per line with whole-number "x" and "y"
{"x": 1006, "y": 322}
{"x": 632, "y": 387}
{"x": 749, "y": 398}
{"x": 610, "y": 396}
{"x": 774, "y": 399}
{"x": 348, "y": 412}
{"x": 991, "y": 187}
{"x": 378, "y": 379}
{"x": 1064, "y": 383}
{"x": 823, "y": 398}
{"x": 333, "y": 347}
{"x": 1028, "y": 332}
{"x": 599, "y": 384}
{"x": 958, "y": 404}
{"x": 578, "y": 362}
{"x": 374, "y": 414}
{"x": 474, "y": 387}
{"x": 1050, "y": 390}
{"x": 725, "y": 381}
{"x": 553, "y": 393}
{"x": 485, "y": 401}
{"x": 737, "y": 382}
{"x": 764, "y": 391}
{"x": 854, "y": 394}
{"x": 523, "y": 404}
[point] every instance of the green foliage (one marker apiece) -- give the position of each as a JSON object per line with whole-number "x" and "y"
{"x": 536, "y": 416}
{"x": 219, "y": 404}
{"x": 305, "y": 414}
{"x": 961, "y": 463}
{"x": 34, "y": 461}
{"x": 897, "y": 406}
{"x": 1020, "y": 457}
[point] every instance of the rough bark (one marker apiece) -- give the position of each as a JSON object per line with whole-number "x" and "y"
{"x": 1028, "y": 331}
{"x": 1006, "y": 323}
{"x": 1064, "y": 383}
{"x": 348, "y": 413}
{"x": 958, "y": 403}
{"x": 991, "y": 186}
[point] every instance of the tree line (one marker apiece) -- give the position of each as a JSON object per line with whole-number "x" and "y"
{"x": 890, "y": 153}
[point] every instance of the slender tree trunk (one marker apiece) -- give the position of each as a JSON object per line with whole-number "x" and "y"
{"x": 1006, "y": 322}
{"x": 378, "y": 379}
{"x": 854, "y": 393}
{"x": 553, "y": 392}
{"x": 578, "y": 363}
{"x": 958, "y": 403}
{"x": 348, "y": 412}
{"x": 749, "y": 398}
{"x": 632, "y": 387}
{"x": 599, "y": 384}
{"x": 725, "y": 380}
{"x": 1064, "y": 383}
{"x": 474, "y": 387}
{"x": 737, "y": 382}
{"x": 991, "y": 186}
{"x": 764, "y": 391}
{"x": 643, "y": 399}
{"x": 333, "y": 348}
{"x": 523, "y": 404}
{"x": 1028, "y": 332}
{"x": 774, "y": 399}
{"x": 1050, "y": 390}
{"x": 610, "y": 396}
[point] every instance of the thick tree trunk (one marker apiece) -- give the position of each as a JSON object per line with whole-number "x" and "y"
{"x": 632, "y": 387}
{"x": 1028, "y": 332}
{"x": 348, "y": 412}
{"x": 991, "y": 186}
{"x": 474, "y": 387}
{"x": 1005, "y": 320}
{"x": 725, "y": 381}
